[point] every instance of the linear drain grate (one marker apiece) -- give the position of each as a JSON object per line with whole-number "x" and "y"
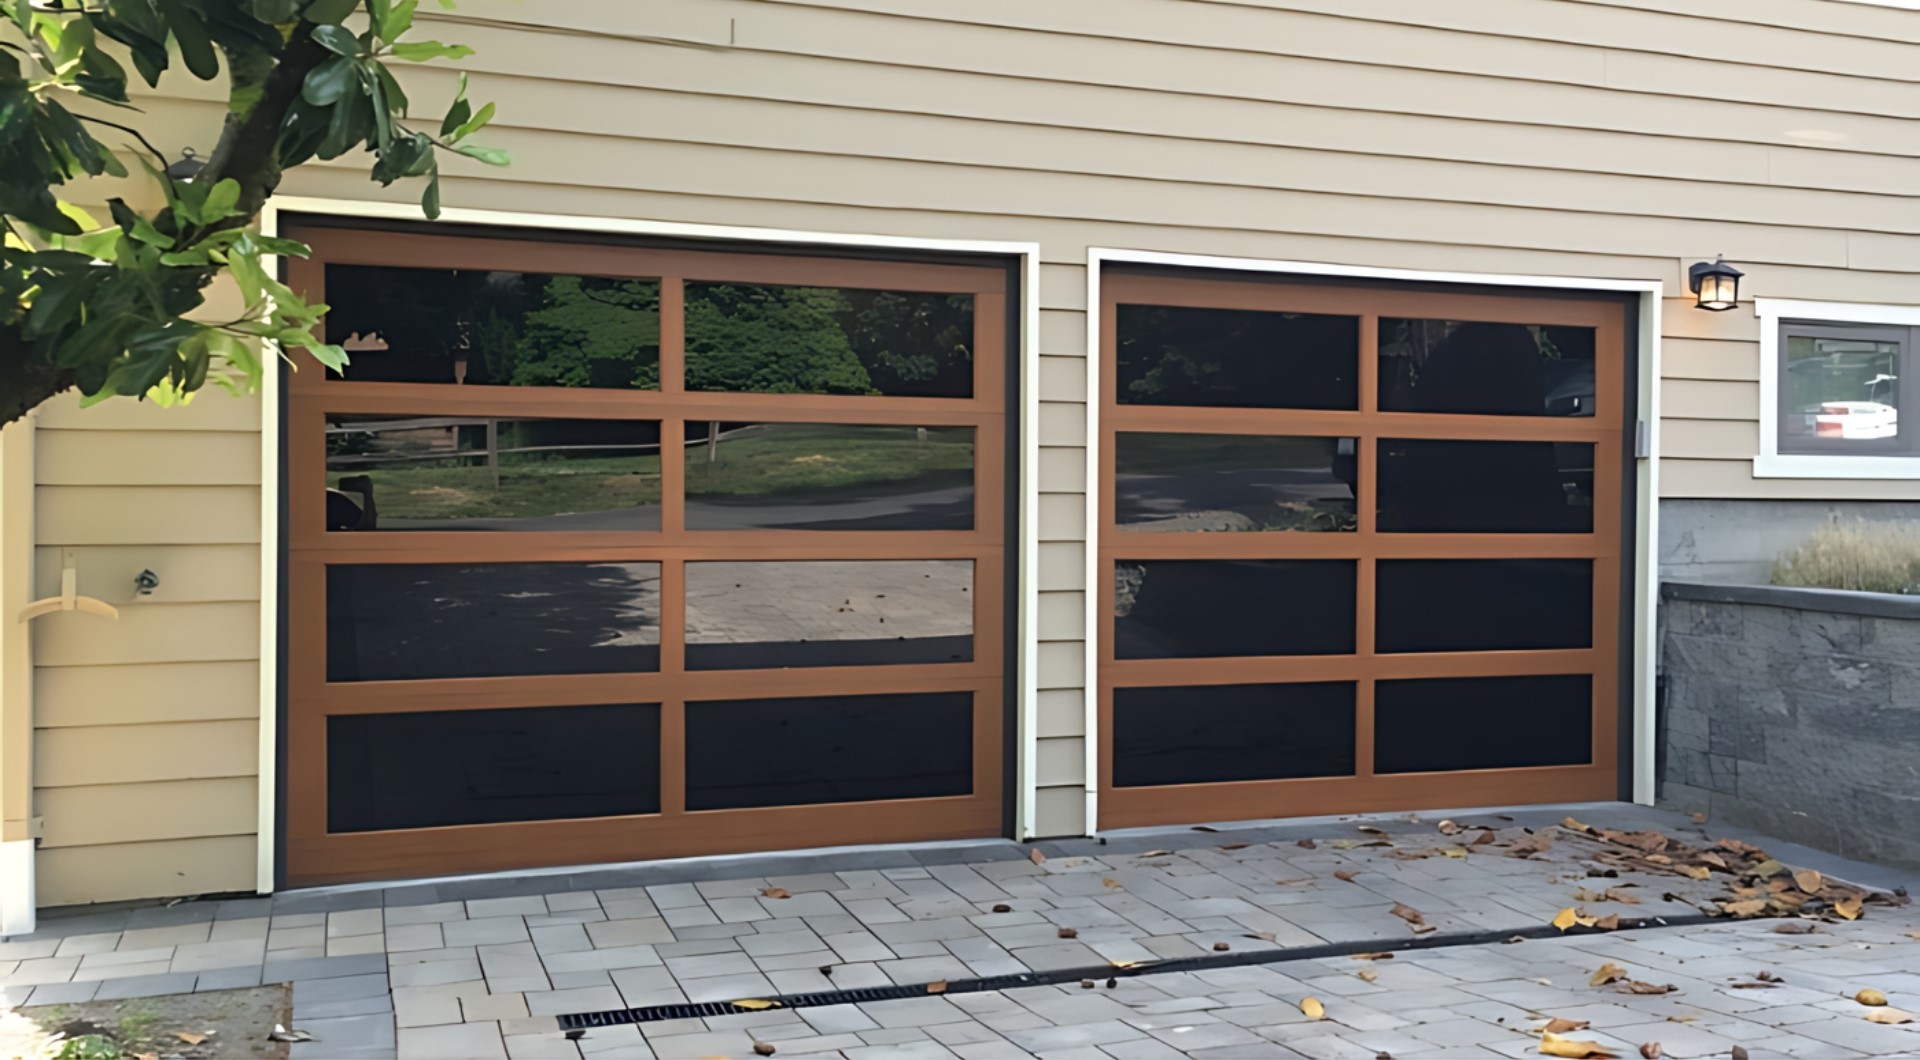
{"x": 619, "y": 1016}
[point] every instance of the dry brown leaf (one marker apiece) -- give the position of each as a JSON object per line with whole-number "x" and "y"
{"x": 1794, "y": 927}
{"x": 755, "y": 1004}
{"x": 1870, "y": 996}
{"x": 1483, "y": 840}
{"x": 1651, "y": 1050}
{"x": 763, "y": 1049}
{"x": 1608, "y": 973}
{"x": 775, "y": 892}
{"x": 1408, "y": 914}
{"x": 1355, "y": 844}
{"x": 1455, "y": 852}
{"x": 1578, "y": 826}
{"x": 1610, "y": 922}
{"x": 1635, "y": 986}
{"x": 1036, "y": 857}
{"x": 1769, "y": 867}
{"x": 1565, "y": 918}
{"x": 1809, "y": 880}
{"x": 191, "y": 1038}
{"x": 1345, "y": 875}
{"x": 1297, "y": 879}
{"x": 1155, "y": 854}
{"x": 1110, "y": 882}
{"x": 1233, "y": 846}
{"x": 1307, "y": 844}
{"x": 1615, "y": 894}
{"x": 1370, "y": 829}
{"x": 1699, "y": 818}
{"x": 1749, "y": 907}
{"x": 1128, "y": 964}
{"x": 1848, "y": 907}
{"x": 1449, "y": 828}
{"x": 1263, "y": 936}
{"x": 1221, "y": 947}
{"x": 938, "y": 986}
{"x": 1739, "y": 1052}
{"x": 1368, "y": 975}
{"x": 1913, "y": 934}
{"x": 1068, "y": 933}
{"x": 1312, "y": 1008}
{"x": 1767, "y": 977}
{"x": 1682, "y": 1019}
{"x": 1696, "y": 872}
{"x": 1002, "y": 907}
{"x": 1660, "y": 859}
{"x": 1376, "y": 956}
{"x": 1562, "y": 1025}
{"x": 1554, "y": 1045}
{"x": 1710, "y": 858}
{"x": 1890, "y": 1016}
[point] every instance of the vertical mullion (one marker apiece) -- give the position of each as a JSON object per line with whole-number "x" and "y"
{"x": 1366, "y": 463}
{"x": 673, "y": 723}
{"x": 673, "y": 757}
{"x": 1364, "y": 581}
{"x": 673, "y": 335}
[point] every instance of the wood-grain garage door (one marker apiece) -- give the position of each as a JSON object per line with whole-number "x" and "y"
{"x": 1360, "y": 548}
{"x": 602, "y": 553}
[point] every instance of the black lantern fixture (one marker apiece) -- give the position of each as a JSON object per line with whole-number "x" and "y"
{"x": 186, "y": 167}
{"x": 1716, "y": 285}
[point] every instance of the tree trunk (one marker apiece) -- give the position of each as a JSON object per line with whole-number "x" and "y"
{"x": 26, "y": 381}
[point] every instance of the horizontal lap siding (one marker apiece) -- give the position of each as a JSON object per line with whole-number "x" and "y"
{"x": 1619, "y": 139}
{"x": 147, "y": 729}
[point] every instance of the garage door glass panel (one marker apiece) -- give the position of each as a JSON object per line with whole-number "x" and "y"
{"x": 1233, "y": 482}
{"x": 421, "y": 621}
{"x": 795, "y": 752}
{"x": 1218, "y": 733}
{"x": 1438, "y": 724}
{"x": 813, "y": 476}
{"x": 1481, "y": 487}
{"x": 474, "y": 473}
{"x": 463, "y": 767}
{"x": 767, "y": 615}
{"x": 1485, "y": 369}
{"x": 1490, "y": 605}
{"x": 472, "y": 327}
{"x": 764, "y": 338}
{"x": 1185, "y": 609}
{"x": 1168, "y": 355}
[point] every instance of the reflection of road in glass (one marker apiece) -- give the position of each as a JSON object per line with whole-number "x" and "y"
{"x": 1255, "y": 494}
{"x": 828, "y": 613}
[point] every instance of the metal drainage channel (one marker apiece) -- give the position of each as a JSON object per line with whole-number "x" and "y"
{"x": 619, "y": 1016}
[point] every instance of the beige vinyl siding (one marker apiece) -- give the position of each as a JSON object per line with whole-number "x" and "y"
{"x": 147, "y": 729}
{"x": 1617, "y": 139}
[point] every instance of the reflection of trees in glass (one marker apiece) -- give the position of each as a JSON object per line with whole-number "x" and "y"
{"x": 822, "y": 340}
{"x": 591, "y": 332}
{"x": 1171, "y": 355}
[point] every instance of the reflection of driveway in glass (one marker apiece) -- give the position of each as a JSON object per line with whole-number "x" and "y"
{"x": 1147, "y": 498}
{"x": 828, "y": 612}
{"x": 936, "y": 500}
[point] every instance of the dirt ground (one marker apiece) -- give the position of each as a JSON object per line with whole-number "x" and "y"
{"x": 217, "y": 1025}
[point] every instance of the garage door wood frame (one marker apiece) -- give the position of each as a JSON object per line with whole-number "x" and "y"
{"x": 315, "y": 856}
{"x": 1364, "y": 791}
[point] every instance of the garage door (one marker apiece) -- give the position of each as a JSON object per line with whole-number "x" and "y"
{"x": 1360, "y": 548}
{"x": 603, "y": 553}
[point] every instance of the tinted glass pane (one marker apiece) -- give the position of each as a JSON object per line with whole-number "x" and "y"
{"x": 1219, "y": 357}
{"x": 1489, "y": 604}
{"x": 828, "y": 613}
{"x": 479, "y": 328}
{"x": 1231, "y": 732}
{"x": 1174, "y": 609}
{"x": 807, "y": 476}
{"x": 1430, "y": 486}
{"x": 430, "y": 770}
{"x": 481, "y": 473}
{"x": 418, "y": 621}
{"x": 1489, "y": 369}
{"x": 1226, "y": 482}
{"x": 1841, "y": 389}
{"x": 795, "y": 752}
{"x": 828, "y": 340}
{"x": 1439, "y": 724}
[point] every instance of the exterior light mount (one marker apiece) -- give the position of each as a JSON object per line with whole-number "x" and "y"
{"x": 1715, "y": 284}
{"x": 187, "y": 166}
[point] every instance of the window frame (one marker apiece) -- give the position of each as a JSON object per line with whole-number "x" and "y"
{"x": 1784, "y": 457}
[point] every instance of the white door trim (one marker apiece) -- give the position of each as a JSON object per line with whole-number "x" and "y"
{"x": 1026, "y": 617}
{"x": 1646, "y": 477}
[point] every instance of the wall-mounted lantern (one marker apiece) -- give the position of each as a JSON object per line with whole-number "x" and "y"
{"x": 1716, "y": 285}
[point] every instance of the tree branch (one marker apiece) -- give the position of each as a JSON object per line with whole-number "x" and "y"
{"x": 160, "y": 160}
{"x": 249, "y": 147}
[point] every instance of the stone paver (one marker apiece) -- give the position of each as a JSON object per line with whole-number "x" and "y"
{"x": 481, "y": 968}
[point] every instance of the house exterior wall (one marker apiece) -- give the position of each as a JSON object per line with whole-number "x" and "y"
{"x": 1615, "y": 139}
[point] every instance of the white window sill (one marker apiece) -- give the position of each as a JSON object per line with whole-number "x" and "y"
{"x": 1797, "y": 465}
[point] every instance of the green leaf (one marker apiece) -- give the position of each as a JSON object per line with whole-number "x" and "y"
{"x": 492, "y": 156}
{"x": 222, "y": 200}
{"x": 396, "y": 96}
{"x": 338, "y": 39}
{"x": 329, "y": 81}
{"x": 456, "y": 116}
{"x": 248, "y": 273}
{"x": 397, "y": 21}
{"x": 330, "y": 12}
{"x": 430, "y": 199}
{"x": 274, "y": 12}
{"x": 144, "y": 231}
{"x": 427, "y": 51}
{"x": 472, "y": 125}
{"x": 196, "y": 47}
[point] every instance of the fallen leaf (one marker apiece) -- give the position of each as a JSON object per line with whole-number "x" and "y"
{"x": 1682, "y": 1019}
{"x": 1233, "y": 846}
{"x": 1615, "y": 894}
{"x": 190, "y": 1037}
{"x": 1537, "y": 843}
{"x": 1123, "y": 965}
{"x": 1002, "y": 907}
{"x": 1794, "y": 927}
{"x": 1455, "y": 852}
{"x": 1307, "y": 844}
{"x": 1449, "y": 828}
{"x": 1263, "y": 936}
{"x": 1870, "y": 996}
{"x": 1768, "y": 977}
{"x": 1749, "y": 907}
{"x": 1848, "y": 907}
{"x": 1739, "y": 1053}
{"x": 1635, "y": 986}
{"x": 1769, "y": 867}
{"x": 1562, "y": 1025}
{"x": 1355, "y": 844}
{"x": 1205, "y": 828}
{"x": 938, "y": 986}
{"x": 1154, "y": 854}
{"x": 1368, "y": 975}
{"x": 1565, "y": 918}
{"x": 1699, "y": 818}
{"x": 1651, "y": 1050}
{"x": 1809, "y": 880}
{"x": 1608, "y": 973}
{"x": 1718, "y": 862}
{"x": 1554, "y": 1045}
{"x": 775, "y": 892}
{"x": 1483, "y": 840}
{"x": 755, "y": 1004}
{"x": 281, "y": 1034}
{"x": 1568, "y": 822}
{"x": 763, "y": 1048}
{"x": 1735, "y": 846}
{"x": 1610, "y": 922}
{"x": 1376, "y": 956}
{"x": 1086, "y": 984}
{"x": 1408, "y": 914}
{"x": 1110, "y": 882}
{"x": 1300, "y": 879}
{"x": 1036, "y": 857}
{"x": 1753, "y": 986}
{"x": 1890, "y": 1016}
{"x": 1370, "y": 829}
{"x": 1514, "y": 939}
{"x": 1312, "y": 1008}
{"x": 1068, "y": 933}
{"x": 1221, "y": 947}
{"x": 1345, "y": 875}
{"x": 1913, "y": 934}
{"x": 826, "y": 969}
{"x": 1697, "y": 872}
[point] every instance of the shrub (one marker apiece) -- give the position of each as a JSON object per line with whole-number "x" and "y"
{"x": 1872, "y": 557}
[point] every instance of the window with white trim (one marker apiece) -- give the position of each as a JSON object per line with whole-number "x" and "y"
{"x": 1834, "y": 377}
